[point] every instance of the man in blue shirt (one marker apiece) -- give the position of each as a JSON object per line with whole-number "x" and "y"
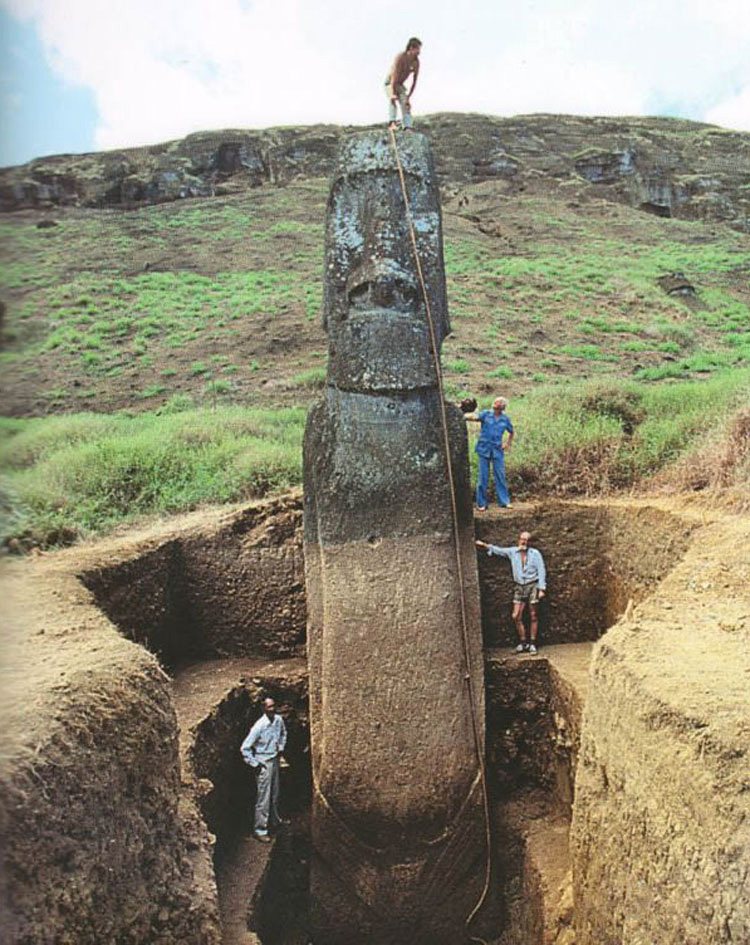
{"x": 530, "y": 579}
{"x": 261, "y": 750}
{"x": 491, "y": 448}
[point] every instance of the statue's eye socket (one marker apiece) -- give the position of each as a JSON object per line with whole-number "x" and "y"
{"x": 409, "y": 294}
{"x": 360, "y": 295}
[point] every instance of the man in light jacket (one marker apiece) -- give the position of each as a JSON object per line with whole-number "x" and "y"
{"x": 530, "y": 579}
{"x": 261, "y": 750}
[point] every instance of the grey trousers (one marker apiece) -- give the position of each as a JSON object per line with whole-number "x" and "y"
{"x": 267, "y": 801}
{"x": 405, "y": 109}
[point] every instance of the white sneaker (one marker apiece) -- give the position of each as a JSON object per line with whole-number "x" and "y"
{"x": 532, "y": 648}
{"x": 520, "y": 648}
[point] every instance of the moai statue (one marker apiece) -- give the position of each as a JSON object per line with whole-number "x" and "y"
{"x": 398, "y": 824}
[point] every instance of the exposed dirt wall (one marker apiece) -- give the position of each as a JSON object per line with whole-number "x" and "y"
{"x": 144, "y": 597}
{"x": 245, "y": 583}
{"x": 534, "y": 708}
{"x": 597, "y": 558}
{"x": 519, "y": 723}
{"x": 661, "y": 825}
{"x": 232, "y": 586}
{"x": 98, "y": 844}
{"x": 102, "y": 843}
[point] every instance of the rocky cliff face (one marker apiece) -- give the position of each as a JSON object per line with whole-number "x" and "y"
{"x": 663, "y": 166}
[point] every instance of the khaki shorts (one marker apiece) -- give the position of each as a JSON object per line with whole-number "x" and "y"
{"x": 526, "y": 593}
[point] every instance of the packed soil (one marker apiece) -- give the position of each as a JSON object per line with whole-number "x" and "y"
{"x": 70, "y": 679}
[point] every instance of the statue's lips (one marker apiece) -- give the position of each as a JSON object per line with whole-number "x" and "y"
{"x": 360, "y": 317}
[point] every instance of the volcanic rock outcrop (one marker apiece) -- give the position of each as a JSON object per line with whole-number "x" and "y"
{"x": 398, "y": 828}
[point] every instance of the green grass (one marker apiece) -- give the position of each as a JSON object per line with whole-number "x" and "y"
{"x": 458, "y": 366}
{"x": 197, "y": 277}
{"x": 218, "y": 387}
{"x": 152, "y": 391}
{"x": 82, "y": 474}
{"x": 167, "y": 308}
{"x": 588, "y": 352}
{"x": 587, "y": 437}
{"x": 312, "y": 379}
{"x": 501, "y": 372}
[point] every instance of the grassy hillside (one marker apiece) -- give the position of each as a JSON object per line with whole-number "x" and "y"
{"x": 220, "y": 297}
{"x": 173, "y": 316}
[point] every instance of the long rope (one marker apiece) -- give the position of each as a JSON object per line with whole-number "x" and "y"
{"x": 456, "y": 535}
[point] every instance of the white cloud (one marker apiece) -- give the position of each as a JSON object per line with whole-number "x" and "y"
{"x": 734, "y": 112}
{"x": 163, "y": 68}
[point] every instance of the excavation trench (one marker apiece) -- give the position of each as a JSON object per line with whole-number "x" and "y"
{"x": 225, "y": 614}
{"x": 223, "y": 608}
{"x": 533, "y": 723}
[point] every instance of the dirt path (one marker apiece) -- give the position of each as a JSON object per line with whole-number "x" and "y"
{"x": 238, "y": 878}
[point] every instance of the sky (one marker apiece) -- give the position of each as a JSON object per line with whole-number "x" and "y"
{"x": 83, "y": 75}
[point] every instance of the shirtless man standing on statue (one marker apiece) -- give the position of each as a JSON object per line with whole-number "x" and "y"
{"x": 404, "y": 65}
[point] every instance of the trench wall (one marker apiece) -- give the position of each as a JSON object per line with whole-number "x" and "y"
{"x": 98, "y": 843}
{"x": 533, "y": 727}
{"x": 661, "y": 833}
{"x": 661, "y": 822}
{"x": 103, "y": 743}
{"x": 598, "y": 558}
{"x": 234, "y": 587}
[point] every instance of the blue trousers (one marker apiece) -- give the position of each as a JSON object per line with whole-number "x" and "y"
{"x": 483, "y": 479}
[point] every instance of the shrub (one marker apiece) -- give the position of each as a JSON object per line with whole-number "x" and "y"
{"x": 457, "y": 367}
{"x": 589, "y": 438}
{"x": 313, "y": 379}
{"x": 501, "y": 372}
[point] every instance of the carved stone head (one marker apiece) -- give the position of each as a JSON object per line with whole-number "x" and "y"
{"x": 374, "y": 310}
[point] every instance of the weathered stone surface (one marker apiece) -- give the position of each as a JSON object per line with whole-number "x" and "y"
{"x": 398, "y": 831}
{"x": 605, "y": 167}
{"x": 664, "y": 166}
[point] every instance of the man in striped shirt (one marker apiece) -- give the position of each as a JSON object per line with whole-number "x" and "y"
{"x": 530, "y": 579}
